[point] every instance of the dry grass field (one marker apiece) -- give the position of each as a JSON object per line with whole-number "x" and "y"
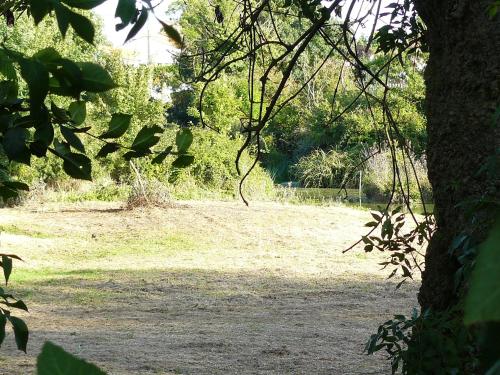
{"x": 199, "y": 288}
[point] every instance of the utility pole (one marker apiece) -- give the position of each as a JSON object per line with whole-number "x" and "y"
{"x": 148, "y": 37}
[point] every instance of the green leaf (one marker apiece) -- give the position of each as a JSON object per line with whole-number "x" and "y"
{"x": 83, "y": 4}
{"x": 16, "y": 185}
{"x": 125, "y": 10}
{"x": 95, "y": 78}
{"x": 47, "y": 55}
{"x": 82, "y": 130}
{"x": 7, "y": 68}
{"x": 161, "y": 156}
{"x": 37, "y": 78}
{"x": 13, "y": 256}
{"x": 183, "y": 140}
{"x": 70, "y": 136}
{"x": 39, "y": 9}
{"x": 7, "y": 193}
{"x": 78, "y": 112}
{"x": 183, "y": 161}
{"x": 83, "y": 26}
{"x": 118, "y": 125}
{"x": 62, "y": 148}
{"x": 141, "y": 21}
{"x": 14, "y": 145}
{"x": 146, "y": 138}
{"x": 62, "y": 17}
{"x": 8, "y": 91}
{"x": 77, "y": 166}
{"x": 53, "y": 360}
{"x": 17, "y": 305}
{"x": 136, "y": 154}
{"x": 496, "y": 118}
{"x": 108, "y": 148}
{"x": 482, "y": 303}
{"x": 3, "y": 322}
{"x": 43, "y": 137}
{"x": 493, "y": 9}
{"x": 173, "y": 35}
{"x": 59, "y": 113}
{"x": 21, "y": 332}
{"x": 6, "y": 122}
{"x": 67, "y": 79}
{"x": 495, "y": 369}
{"x": 7, "y": 267}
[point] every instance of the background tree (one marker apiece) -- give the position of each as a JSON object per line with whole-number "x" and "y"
{"x": 43, "y": 107}
{"x": 462, "y": 93}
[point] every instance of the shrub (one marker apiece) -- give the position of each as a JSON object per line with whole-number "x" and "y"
{"x": 146, "y": 193}
{"x": 322, "y": 169}
{"x": 102, "y": 189}
{"x": 213, "y": 173}
{"x": 378, "y": 177}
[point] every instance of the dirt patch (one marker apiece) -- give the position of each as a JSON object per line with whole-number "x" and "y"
{"x": 200, "y": 288}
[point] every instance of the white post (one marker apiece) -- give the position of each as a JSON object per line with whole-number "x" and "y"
{"x": 360, "y": 178}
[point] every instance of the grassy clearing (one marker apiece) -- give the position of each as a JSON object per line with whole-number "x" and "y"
{"x": 199, "y": 288}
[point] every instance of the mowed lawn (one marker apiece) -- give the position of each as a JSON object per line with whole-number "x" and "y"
{"x": 199, "y": 288}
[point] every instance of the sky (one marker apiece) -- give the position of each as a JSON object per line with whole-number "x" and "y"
{"x": 136, "y": 50}
{"x": 159, "y": 50}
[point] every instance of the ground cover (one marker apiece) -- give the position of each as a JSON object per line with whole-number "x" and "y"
{"x": 199, "y": 287}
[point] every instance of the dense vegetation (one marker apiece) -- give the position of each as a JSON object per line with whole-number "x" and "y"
{"x": 287, "y": 112}
{"x": 211, "y": 174}
{"x": 313, "y": 122}
{"x": 306, "y": 128}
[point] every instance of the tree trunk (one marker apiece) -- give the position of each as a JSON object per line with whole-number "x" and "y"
{"x": 463, "y": 91}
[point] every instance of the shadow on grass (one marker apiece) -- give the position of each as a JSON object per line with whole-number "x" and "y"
{"x": 193, "y": 321}
{"x": 93, "y": 210}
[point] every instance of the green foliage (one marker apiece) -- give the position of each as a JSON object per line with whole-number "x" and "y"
{"x": 43, "y": 105}
{"x": 212, "y": 173}
{"x": 483, "y": 299}
{"x": 482, "y": 302}
{"x": 381, "y": 180}
{"x": 310, "y": 120}
{"x": 54, "y": 360}
{"x": 8, "y": 302}
{"x": 322, "y": 169}
{"x": 405, "y": 27}
{"x": 430, "y": 342}
{"x": 463, "y": 338}
{"x": 494, "y": 8}
{"x": 405, "y": 246}
{"x": 425, "y": 344}
{"x": 118, "y": 125}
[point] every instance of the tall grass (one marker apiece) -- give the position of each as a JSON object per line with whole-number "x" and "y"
{"x": 379, "y": 176}
{"x": 322, "y": 168}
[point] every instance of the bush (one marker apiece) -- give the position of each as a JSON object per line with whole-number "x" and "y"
{"x": 102, "y": 189}
{"x": 378, "y": 178}
{"x": 146, "y": 193}
{"x": 213, "y": 173}
{"x": 322, "y": 169}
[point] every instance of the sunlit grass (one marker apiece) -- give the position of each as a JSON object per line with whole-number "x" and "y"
{"x": 215, "y": 279}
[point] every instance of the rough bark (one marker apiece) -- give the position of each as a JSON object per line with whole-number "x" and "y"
{"x": 463, "y": 91}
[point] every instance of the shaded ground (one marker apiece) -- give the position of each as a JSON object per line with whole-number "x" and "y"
{"x": 200, "y": 288}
